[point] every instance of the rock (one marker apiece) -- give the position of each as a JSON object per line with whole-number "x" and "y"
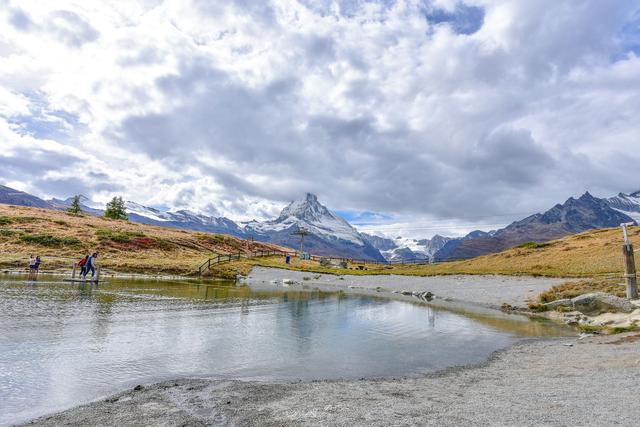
{"x": 559, "y": 303}
{"x": 597, "y": 303}
{"x": 406, "y": 293}
{"x": 138, "y": 388}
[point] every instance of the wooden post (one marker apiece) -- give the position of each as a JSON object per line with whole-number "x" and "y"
{"x": 73, "y": 275}
{"x": 629, "y": 265}
{"x": 98, "y": 274}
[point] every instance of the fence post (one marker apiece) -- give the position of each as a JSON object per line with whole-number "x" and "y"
{"x": 73, "y": 275}
{"x": 629, "y": 265}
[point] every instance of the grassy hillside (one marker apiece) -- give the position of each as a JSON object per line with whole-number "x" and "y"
{"x": 60, "y": 239}
{"x": 592, "y": 254}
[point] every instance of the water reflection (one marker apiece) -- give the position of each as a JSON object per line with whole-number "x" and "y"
{"x": 62, "y": 344}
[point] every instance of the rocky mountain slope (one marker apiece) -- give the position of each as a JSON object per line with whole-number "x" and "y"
{"x": 328, "y": 233}
{"x": 9, "y": 196}
{"x": 628, "y": 204}
{"x": 573, "y": 216}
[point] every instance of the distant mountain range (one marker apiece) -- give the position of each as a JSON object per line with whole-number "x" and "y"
{"x": 406, "y": 249}
{"x": 330, "y": 234}
{"x": 573, "y": 216}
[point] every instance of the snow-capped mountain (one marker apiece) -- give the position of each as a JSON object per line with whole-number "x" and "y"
{"x": 152, "y": 216}
{"x": 313, "y": 216}
{"x": 406, "y": 249}
{"x": 328, "y": 233}
{"x": 628, "y": 204}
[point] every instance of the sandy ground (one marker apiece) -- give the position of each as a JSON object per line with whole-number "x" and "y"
{"x": 490, "y": 291}
{"x": 557, "y": 382}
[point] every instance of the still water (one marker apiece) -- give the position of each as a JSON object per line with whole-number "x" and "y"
{"x": 63, "y": 344}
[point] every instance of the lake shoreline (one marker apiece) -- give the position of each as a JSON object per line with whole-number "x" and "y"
{"x": 497, "y": 391}
{"x": 561, "y": 381}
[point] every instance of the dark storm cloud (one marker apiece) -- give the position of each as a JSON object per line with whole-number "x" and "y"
{"x": 508, "y": 156}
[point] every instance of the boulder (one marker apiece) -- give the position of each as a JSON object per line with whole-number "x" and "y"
{"x": 597, "y": 303}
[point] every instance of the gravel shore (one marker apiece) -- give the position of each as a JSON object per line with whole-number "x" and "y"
{"x": 488, "y": 291}
{"x": 559, "y": 381}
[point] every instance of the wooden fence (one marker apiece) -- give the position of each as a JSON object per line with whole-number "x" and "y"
{"x": 222, "y": 259}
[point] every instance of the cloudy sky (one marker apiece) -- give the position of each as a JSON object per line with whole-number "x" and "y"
{"x": 424, "y": 116}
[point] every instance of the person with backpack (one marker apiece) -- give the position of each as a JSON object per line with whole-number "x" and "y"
{"x": 90, "y": 265}
{"x": 32, "y": 266}
{"x": 36, "y": 265}
{"x": 83, "y": 265}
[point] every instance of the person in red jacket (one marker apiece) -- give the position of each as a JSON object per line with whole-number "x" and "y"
{"x": 83, "y": 265}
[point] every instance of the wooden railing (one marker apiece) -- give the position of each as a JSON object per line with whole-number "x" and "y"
{"x": 225, "y": 258}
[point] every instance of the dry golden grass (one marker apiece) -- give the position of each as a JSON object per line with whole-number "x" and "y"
{"x": 573, "y": 289}
{"x": 61, "y": 239}
{"x": 593, "y": 254}
{"x": 132, "y": 247}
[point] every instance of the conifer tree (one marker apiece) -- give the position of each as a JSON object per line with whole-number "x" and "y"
{"x": 116, "y": 209}
{"x": 75, "y": 208}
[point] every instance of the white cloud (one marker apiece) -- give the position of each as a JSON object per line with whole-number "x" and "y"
{"x": 392, "y": 106}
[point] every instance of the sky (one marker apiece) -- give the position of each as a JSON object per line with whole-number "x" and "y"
{"x": 407, "y": 117}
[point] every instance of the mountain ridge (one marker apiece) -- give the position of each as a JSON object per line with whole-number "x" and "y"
{"x": 573, "y": 216}
{"x": 331, "y": 235}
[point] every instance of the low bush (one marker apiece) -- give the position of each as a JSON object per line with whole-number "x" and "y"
{"x": 5, "y": 220}
{"x": 49, "y": 240}
{"x": 538, "y": 308}
{"x": 7, "y": 233}
{"x": 25, "y": 219}
{"x": 117, "y": 236}
{"x": 533, "y": 245}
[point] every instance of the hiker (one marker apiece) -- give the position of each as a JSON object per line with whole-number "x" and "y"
{"x": 83, "y": 265}
{"x": 36, "y": 265}
{"x": 90, "y": 265}
{"x": 32, "y": 266}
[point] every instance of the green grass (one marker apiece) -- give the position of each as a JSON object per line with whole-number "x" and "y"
{"x": 117, "y": 236}
{"x": 25, "y": 219}
{"x": 49, "y": 240}
{"x": 533, "y": 245}
{"x": 4, "y": 232}
{"x": 622, "y": 329}
{"x": 5, "y": 220}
